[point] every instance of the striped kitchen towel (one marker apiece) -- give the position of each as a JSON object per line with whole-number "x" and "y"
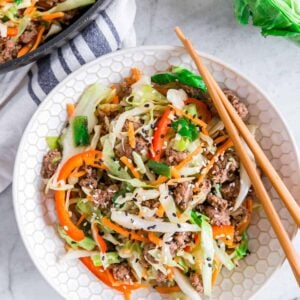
{"x": 21, "y": 91}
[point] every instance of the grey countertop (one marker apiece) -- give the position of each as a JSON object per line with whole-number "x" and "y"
{"x": 272, "y": 63}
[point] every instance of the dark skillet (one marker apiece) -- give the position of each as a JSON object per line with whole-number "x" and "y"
{"x": 58, "y": 40}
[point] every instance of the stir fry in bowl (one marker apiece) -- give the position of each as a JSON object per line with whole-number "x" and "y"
{"x": 149, "y": 191}
{"x": 25, "y": 24}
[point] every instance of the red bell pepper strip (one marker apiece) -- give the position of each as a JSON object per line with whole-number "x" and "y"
{"x": 76, "y": 161}
{"x": 201, "y": 108}
{"x": 160, "y": 132}
{"x": 99, "y": 239}
{"x": 106, "y": 277}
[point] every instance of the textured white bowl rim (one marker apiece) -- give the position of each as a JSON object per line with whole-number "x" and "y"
{"x": 111, "y": 55}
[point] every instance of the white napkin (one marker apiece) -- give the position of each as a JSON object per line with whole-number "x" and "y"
{"x": 21, "y": 91}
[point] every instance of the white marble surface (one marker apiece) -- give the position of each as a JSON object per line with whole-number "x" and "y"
{"x": 272, "y": 63}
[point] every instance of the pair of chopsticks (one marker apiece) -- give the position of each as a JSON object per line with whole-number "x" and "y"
{"x": 236, "y": 127}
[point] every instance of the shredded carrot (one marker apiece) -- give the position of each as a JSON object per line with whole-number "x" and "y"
{"x": 82, "y": 217}
{"x": 139, "y": 236}
{"x": 115, "y": 99}
{"x": 29, "y": 10}
{"x": 160, "y": 180}
{"x": 115, "y": 227}
{"x": 127, "y": 295}
{"x": 131, "y": 136}
{"x": 197, "y": 240}
{"x": 168, "y": 290}
{"x": 50, "y": 17}
{"x": 39, "y": 37}
{"x": 70, "y": 109}
{"x": 12, "y": 31}
{"x": 224, "y": 147}
{"x": 160, "y": 211}
{"x": 241, "y": 227}
{"x": 207, "y": 168}
{"x": 154, "y": 239}
{"x": 135, "y": 76}
{"x": 102, "y": 166}
{"x": 127, "y": 162}
{"x": 170, "y": 273}
{"x": 24, "y": 50}
{"x": 189, "y": 157}
{"x": 78, "y": 174}
{"x": 133, "y": 235}
{"x": 197, "y": 121}
{"x": 224, "y": 233}
{"x": 204, "y": 131}
{"x": 175, "y": 173}
{"x": 220, "y": 139}
{"x": 216, "y": 271}
{"x": 178, "y": 214}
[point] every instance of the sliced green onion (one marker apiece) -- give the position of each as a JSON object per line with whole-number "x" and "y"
{"x": 80, "y": 131}
{"x": 52, "y": 142}
{"x": 159, "y": 168}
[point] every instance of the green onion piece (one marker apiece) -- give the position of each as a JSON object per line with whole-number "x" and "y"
{"x": 159, "y": 168}
{"x": 181, "y": 75}
{"x": 181, "y": 145}
{"x": 189, "y": 78}
{"x": 52, "y": 142}
{"x": 80, "y": 131}
{"x": 109, "y": 257}
{"x": 191, "y": 109}
{"x": 186, "y": 129}
{"x": 242, "y": 250}
{"x": 164, "y": 78}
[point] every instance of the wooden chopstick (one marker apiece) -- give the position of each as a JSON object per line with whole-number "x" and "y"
{"x": 259, "y": 188}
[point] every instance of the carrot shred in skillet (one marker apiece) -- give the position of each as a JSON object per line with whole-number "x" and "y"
{"x": 53, "y": 16}
{"x": 39, "y": 37}
{"x": 24, "y": 50}
{"x": 12, "y": 31}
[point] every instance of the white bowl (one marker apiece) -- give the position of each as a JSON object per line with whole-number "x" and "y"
{"x": 36, "y": 215}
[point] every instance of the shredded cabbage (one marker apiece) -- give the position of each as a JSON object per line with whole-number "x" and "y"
{"x": 114, "y": 167}
{"x": 133, "y": 182}
{"x": 69, "y": 5}
{"x": 185, "y": 285}
{"x": 105, "y": 259}
{"x": 96, "y": 137}
{"x": 87, "y": 243}
{"x": 117, "y": 125}
{"x": 245, "y": 182}
{"x": 86, "y": 106}
{"x": 142, "y": 92}
{"x": 223, "y": 257}
{"x": 75, "y": 254}
{"x": 208, "y": 252}
{"x": 134, "y": 222}
{"x": 139, "y": 162}
{"x": 168, "y": 203}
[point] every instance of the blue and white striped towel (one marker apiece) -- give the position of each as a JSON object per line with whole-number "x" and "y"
{"x": 21, "y": 91}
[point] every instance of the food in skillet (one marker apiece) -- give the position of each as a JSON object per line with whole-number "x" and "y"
{"x": 149, "y": 191}
{"x": 25, "y": 24}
